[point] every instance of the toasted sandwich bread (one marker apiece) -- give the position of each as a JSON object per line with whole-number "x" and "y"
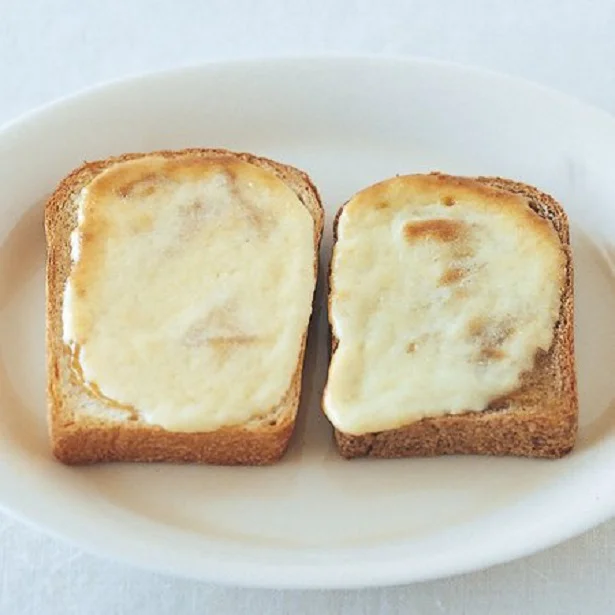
{"x": 179, "y": 290}
{"x": 451, "y": 316}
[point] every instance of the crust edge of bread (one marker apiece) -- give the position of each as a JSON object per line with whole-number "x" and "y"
{"x": 87, "y": 441}
{"x": 548, "y": 431}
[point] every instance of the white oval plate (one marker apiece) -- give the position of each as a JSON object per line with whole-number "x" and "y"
{"x": 315, "y": 520}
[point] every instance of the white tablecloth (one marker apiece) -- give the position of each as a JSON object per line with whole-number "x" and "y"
{"x": 50, "y": 49}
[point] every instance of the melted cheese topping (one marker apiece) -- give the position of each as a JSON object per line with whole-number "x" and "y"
{"x": 190, "y": 290}
{"x": 441, "y": 297}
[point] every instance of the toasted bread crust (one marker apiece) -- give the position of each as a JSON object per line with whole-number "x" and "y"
{"x": 79, "y": 438}
{"x": 539, "y": 419}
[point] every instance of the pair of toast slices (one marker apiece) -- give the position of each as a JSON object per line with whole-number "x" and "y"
{"x": 180, "y": 288}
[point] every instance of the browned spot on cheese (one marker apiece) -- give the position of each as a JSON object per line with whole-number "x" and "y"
{"x": 477, "y": 326}
{"x": 256, "y": 217}
{"x": 142, "y": 185}
{"x": 448, "y": 200}
{"x": 495, "y": 333}
{"x": 218, "y": 330}
{"x": 381, "y": 205}
{"x": 490, "y": 337}
{"x": 459, "y": 294}
{"x": 445, "y": 231}
{"x": 450, "y": 276}
{"x": 490, "y": 353}
{"x": 411, "y": 347}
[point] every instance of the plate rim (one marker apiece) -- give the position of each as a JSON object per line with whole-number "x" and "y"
{"x": 325, "y": 57}
{"x": 22, "y": 508}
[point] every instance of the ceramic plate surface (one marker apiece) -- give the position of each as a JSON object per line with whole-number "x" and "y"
{"x": 315, "y": 520}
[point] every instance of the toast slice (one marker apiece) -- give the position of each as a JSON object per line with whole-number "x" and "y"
{"x": 529, "y": 411}
{"x": 177, "y": 309}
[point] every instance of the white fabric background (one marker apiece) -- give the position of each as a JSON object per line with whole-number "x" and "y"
{"x": 50, "y": 49}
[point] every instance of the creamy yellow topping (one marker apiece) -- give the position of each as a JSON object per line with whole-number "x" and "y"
{"x": 440, "y": 301}
{"x": 190, "y": 289}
